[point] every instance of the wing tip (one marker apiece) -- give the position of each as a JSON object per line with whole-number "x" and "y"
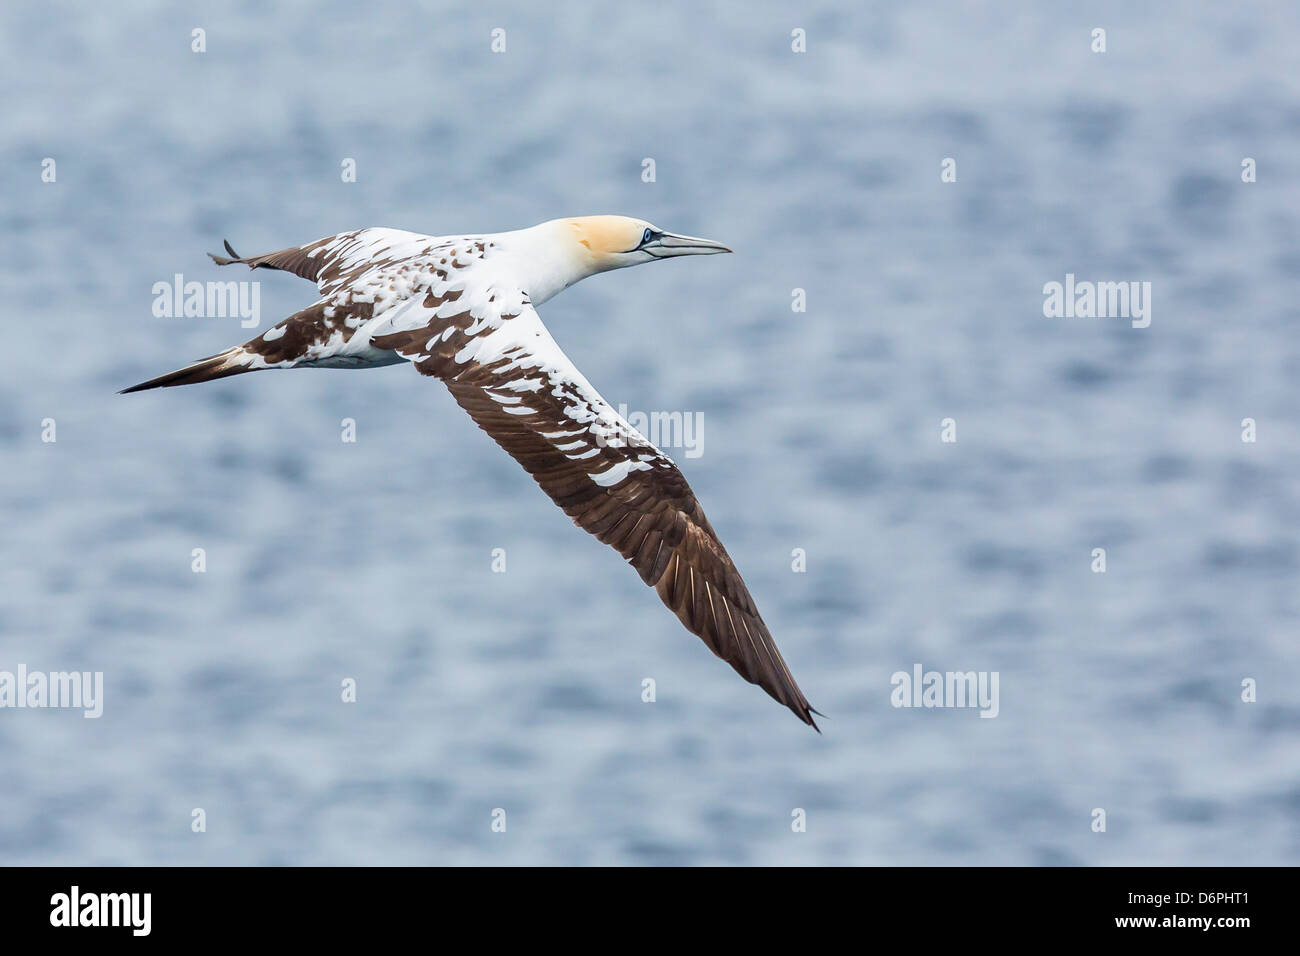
{"x": 806, "y": 716}
{"x": 204, "y": 370}
{"x": 223, "y": 260}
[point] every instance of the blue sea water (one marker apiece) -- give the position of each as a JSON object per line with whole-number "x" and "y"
{"x": 372, "y": 560}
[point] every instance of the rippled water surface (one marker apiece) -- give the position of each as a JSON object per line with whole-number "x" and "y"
{"x": 522, "y": 691}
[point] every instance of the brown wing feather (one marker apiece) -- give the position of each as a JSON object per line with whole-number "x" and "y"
{"x": 650, "y": 516}
{"x": 295, "y": 259}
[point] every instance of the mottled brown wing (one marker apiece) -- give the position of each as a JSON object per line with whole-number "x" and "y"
{"x": 362, "y": 275}
{"x": 296, "y": 259}
{"x": 363, "y": 264}
{"x": 523, "y": 391}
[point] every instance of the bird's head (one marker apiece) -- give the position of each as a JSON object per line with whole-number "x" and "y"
{"x": 615, "y": 242}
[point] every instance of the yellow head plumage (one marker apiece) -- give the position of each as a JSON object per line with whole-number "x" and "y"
{"x": 603, "y": 237}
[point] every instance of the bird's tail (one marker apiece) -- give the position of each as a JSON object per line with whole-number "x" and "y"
{"x": 233, "y": 361}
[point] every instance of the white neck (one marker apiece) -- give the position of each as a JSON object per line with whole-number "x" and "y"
{"x": 544, "y": 259}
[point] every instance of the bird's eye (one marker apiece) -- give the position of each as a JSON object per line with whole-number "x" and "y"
{"x": 645, "y": 237}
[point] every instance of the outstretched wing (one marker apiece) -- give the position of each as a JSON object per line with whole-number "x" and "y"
{"x": 368, "y": 278}
{"x": 336, "y": 261}
{"x": 502, "y": 366}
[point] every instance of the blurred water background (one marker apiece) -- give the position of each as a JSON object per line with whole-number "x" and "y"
{"x": 522, "y": 690}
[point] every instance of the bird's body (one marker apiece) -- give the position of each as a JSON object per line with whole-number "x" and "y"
{"x": 461, "y": 309}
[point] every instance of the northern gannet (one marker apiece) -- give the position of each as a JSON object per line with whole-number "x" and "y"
{"x": 461, "y": 309}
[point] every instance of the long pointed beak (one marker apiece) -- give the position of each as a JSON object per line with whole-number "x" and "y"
{"x": 669, "y": 245}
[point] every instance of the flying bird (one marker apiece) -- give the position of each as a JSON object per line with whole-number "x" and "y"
{"x": 461, "y": 309}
